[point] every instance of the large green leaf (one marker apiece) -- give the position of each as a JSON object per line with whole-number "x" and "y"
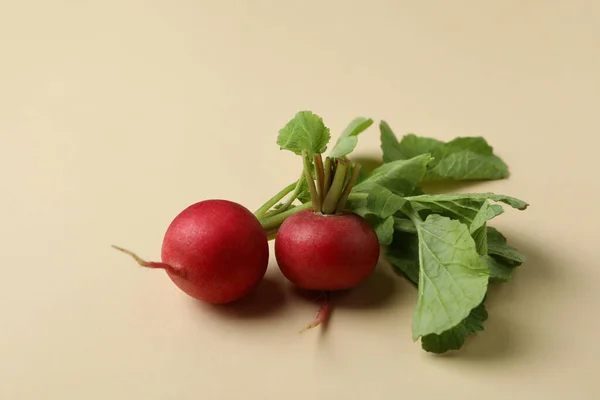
{"x": 453, "y": 278}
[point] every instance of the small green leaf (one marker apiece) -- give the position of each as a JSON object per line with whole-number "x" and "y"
{"x": 348, "y": 139}
{"x": 400, "y": 177}
{"x": 452, "y": 277}
{"x": 306, "y": 131}
{"x": 454, "y": 339}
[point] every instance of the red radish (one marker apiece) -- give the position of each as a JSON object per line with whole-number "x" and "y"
{"x": 327, "y": 249}
{"x": 326, "y": 252}
{"x": 215, "y": 251}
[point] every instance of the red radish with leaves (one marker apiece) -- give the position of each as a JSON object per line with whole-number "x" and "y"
{"x": 327, "y": 248}
{"x": 215, "y": 251}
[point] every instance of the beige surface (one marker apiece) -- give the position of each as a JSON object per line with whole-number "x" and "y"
{"x": 114, "y": 115}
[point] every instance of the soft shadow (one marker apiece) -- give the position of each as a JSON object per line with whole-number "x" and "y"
{"x": 542, "y": 270}
{"x": 499, "y": 341}
{"x": 376, "y": 291}
{"x": 266, "y": 299}
{"x": 510, "y": 335}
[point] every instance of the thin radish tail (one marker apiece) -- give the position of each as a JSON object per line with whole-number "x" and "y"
{"x": 150, "y": 264}
{"x": 322, "y": 315}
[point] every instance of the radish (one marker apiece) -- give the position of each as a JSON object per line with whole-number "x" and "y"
{"x": 327, "y": 248}
{"x": 326, "y": 252}
{"x": 215, "y": 251}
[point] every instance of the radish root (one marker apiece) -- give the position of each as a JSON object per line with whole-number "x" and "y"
{"x": 150, "y": 264}
{"x": 322, "y": 315}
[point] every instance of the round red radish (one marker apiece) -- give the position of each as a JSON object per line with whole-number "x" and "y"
{"x": 316, "y": 251}
{"x": 215, "y": 251}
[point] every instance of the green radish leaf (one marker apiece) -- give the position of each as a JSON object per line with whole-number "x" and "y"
{"x": 384, "y": 228}
{"x": 464, "y": 207}
{"x": 501, "y": 250}
{"x": 454, "y": 339}
{"x": 478, "y": 227}
{"x": 485, "y": 213}
{"x": 411, "y": 145}
{"x": 472, "y": 209}
{"x": 399, "y": 177}
{"x": 402, "y": 224}
{"x": 304, "y": 193}
{"x": 500, "y": 270}
{"x": 306, "y": 131}
{"x": 464, "y": 158}
{"x": 468, "y": 165}
{"x": 382, "y": 202}
{"x": 453, "y": 278}
{"x": 403, "y": 254}
{"x": 376, "y": 200}
{"x": 348, "y": 139}
{"x": 357, "y": 204}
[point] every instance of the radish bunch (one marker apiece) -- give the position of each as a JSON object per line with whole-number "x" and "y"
{"x": 328, "y": 227}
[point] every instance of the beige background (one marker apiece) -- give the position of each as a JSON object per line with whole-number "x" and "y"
{"x": 114, "y": 115}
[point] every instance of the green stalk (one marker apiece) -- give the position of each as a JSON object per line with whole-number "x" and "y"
{"x": 273, "y": 222}
{"x": 290, "y": 200}
{"x": 327, "y": 176}
{"x": 273, "y": 200}
{"x": 320, "y": 175}
{"x": 311, "y": 183}
{"x": 333, "y": 196}
{"x": 344, "y": 197}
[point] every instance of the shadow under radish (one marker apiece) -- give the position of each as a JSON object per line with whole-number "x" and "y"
{"x": 376, "y": 292}
{"x": 267, "y": 299}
